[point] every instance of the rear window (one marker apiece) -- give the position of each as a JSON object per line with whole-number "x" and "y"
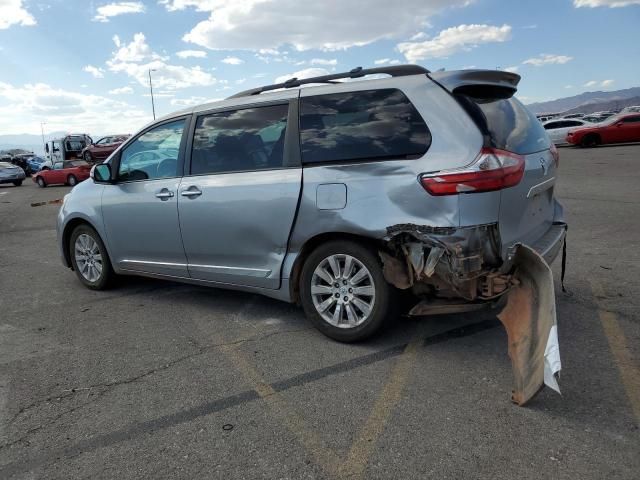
{"x": 360, "y": 126}
{"x": 511, "y": 126}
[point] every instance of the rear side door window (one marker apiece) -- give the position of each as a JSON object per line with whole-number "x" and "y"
{"x": 248, "y": 139}
{"x": 361, "y": 126}
{"x": 152, "y": 155}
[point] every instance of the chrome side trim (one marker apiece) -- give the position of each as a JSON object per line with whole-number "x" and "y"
{"x": 247, "y": 272}
{"x": 143, "y": 265}
{"x": 541, "y": 187}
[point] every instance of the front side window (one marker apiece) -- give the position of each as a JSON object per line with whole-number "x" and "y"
{"x": 631, "y": 120}
{"x": 240, "y": 140}
{"x": 154, "y": 154}
{"x": 102, "y": 141}
{"x": 58, "y": 166}
{"x": 363, "y": 125}
{"x": 552, "y": 125}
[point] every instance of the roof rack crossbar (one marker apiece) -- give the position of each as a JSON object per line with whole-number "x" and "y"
{"x": 394, "y": 71}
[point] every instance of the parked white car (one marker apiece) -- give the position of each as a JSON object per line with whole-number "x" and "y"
{"x": 559, "y": 127}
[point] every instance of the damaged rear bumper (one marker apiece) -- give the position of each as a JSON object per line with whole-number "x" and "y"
{"x": 456, "y": 270}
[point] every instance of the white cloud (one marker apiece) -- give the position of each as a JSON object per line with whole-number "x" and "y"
{"x": 568, "y": 86}
{"x": 97, "y": 72}
{"x": 30, "y": 104}
{"x": 191, "y": 54}
{"x": 513, "y": 69}
{"x": 322, "y": 61}
{"x": 306, "y": 73}
{"x": 604, "y": 3}
{"x": 607, "y": 83}
{"x": 263, "y": 24}
{"x": 121, "y": 91}
{"x": 591, "y": 83}
{"x": 386, "y": 61}
{"x": 104, "y": 12}
{"x": 116, "y": 40}
{"x": 454, "y": 39}
{"x": 547, "y": 59}
{"x": 192, "y": 101}
{"x": 418, "y": 36}
{"x": 12, "y": 12}
{"x": 137, "y": 58}
{"x": 232, "y": 61}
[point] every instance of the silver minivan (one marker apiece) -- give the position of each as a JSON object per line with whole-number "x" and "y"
{"x": 337, "y": 196}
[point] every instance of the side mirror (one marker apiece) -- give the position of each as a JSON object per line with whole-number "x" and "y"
{"x": 619, "y": 124}
{"x": 101, "y": 173}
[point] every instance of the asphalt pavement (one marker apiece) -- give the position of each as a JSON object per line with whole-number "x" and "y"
{"x": 159, "y": 380}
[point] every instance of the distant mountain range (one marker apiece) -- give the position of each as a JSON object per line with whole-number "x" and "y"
{"x": 589, "y": 102}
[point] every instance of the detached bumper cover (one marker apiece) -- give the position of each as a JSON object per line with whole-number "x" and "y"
{"x": 529, "y": 318}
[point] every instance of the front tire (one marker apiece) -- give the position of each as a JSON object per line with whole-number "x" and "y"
{"x": 41, "y": 182}
{"x": 17, "y": 183}
{"x": 89, "y": 258}
{"x": 343, "y": 291}
{"x": 590, "y": 141}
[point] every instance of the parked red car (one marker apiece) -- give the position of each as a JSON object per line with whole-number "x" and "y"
{"x": 69, "y": 172}
{"x": 617, "y": 129}
{"x": 103, "y": 148}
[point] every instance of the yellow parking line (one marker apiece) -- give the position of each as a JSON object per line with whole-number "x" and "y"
{"x": 313, "y": 444}
{"x": 629, "y": 371}
{"x": 391, "y": 393}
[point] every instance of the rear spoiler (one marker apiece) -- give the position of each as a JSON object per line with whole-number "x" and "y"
{"x": 479, "y": 84}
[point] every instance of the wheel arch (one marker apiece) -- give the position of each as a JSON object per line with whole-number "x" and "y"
{"x": 311, "y": 244}
{"x": 66, "y": 237}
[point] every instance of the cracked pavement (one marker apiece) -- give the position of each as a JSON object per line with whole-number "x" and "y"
{"x": 138, "y": 381}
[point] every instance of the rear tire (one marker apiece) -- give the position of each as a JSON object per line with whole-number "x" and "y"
{"x": 17, "y": 183}
{"x": 590, "y": 141}
{"x": 87, "y": 157}
{"x": 89, "y": 258}
{"x": 351, "y": 304}
{"x": 72, "y": 181}
{"x": 41, "y": 182}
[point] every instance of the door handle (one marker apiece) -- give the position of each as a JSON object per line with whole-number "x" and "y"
{"x": 164, "y": 194}
{"x": 191, "y": 192}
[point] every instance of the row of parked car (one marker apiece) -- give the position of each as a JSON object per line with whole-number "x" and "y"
{"x": 63, "y": 167}
{"x": 620, "y": 128}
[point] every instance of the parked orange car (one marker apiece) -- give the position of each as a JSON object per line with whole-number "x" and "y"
{"x": 618, "y": 129}
{"x": 69, "y": 172}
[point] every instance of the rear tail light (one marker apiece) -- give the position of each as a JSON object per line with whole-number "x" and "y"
{"x": 493, "y": 169}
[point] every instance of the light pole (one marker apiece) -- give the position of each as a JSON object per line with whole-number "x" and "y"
{"x": 153, "y": 107}
{"x": 42, "y": 124}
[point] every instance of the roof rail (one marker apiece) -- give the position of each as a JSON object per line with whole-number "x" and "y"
{"x": 394, "y": 71}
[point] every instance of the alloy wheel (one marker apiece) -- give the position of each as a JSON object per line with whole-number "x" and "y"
{"x": 343, "y": 291}
{"x": 88, "y": 257}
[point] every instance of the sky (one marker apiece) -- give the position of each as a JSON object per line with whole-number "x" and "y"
{"x": 83, "y": 66}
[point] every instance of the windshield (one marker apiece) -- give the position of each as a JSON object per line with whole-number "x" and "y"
{"x": 610, "y": 121}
